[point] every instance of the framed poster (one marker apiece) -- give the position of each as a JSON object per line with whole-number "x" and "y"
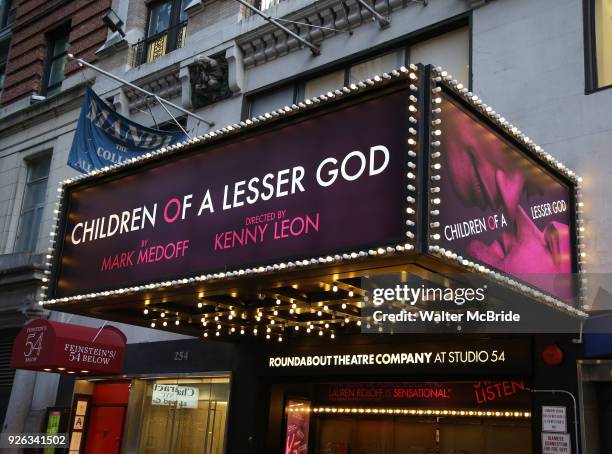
{"x": 297, "y": 425}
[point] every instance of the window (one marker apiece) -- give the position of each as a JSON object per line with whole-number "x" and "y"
{"x": 187, "y": 415}
{"x": 57, "y": 55}
{"x": 450, "y": 50}
{"x": 33, "y": 203}
{"x": 378, "y": 65}
{"x": 261, "y": 5}
{"x": 166, "y": 29}
{"x": 288, "y": 94}
{"x": 599, "y": 56}
{"x": 271, "y": 100}
{"x": 323, "y": 84}
{"x": 4, "y": 47}
{"x": 7, "y": 13}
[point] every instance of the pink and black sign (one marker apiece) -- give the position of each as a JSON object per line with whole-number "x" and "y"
{"x": 497, "y": 206}
{"x": 330, "y": 183}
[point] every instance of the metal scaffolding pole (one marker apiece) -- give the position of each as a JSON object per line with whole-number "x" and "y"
{"x": 313, "y": 48}
{"x": 163, "y": 102}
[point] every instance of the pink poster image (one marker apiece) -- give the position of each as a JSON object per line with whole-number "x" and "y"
{"x": 297, "y": 425}
{"x": 500, "y": 208}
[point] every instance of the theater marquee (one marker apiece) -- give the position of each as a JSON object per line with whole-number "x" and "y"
{"x": 331, "y": 183}
{"x": 403, "y": 169}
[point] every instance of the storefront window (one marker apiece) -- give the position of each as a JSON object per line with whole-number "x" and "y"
{"x": 450, "y": 51}
{"x": 603, "y": 41}
{"x": 186, "y": 415}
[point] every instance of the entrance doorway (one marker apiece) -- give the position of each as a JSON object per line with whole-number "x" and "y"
{"x": 335, "y": 434}
{"x": 178, "y": 415}
{"x": 106, "y": 420}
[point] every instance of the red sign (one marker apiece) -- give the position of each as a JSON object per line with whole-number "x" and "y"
{"x": 481, "y": 394}
{"x": 49, "y": 346}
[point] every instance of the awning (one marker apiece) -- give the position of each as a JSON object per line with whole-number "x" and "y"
{"x": 49, "y": 346}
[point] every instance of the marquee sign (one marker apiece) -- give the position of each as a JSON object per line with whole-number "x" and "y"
{"x": 497, "y": 207}
{"x": 327, "y": 184}
{"x": 498, "y": 204}
{"x": 402, "y": 165}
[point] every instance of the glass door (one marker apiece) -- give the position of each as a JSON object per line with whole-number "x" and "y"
{"x": 186, "y": 415}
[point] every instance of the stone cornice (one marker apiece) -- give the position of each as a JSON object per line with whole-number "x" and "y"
{"x": 269, "y": 42}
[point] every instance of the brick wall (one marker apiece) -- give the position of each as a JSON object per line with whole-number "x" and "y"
{"x": 28, "y": 52}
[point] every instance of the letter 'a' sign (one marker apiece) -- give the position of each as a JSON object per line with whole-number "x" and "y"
{"x": 307, "y": 188}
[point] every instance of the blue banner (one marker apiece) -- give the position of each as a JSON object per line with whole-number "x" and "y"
{"x": 103, "y": 137}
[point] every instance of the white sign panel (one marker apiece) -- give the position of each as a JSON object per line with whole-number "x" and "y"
{"x": 554, "y": 419}
{"x": 181, "y": 396}
{"x": 556, "y": 443}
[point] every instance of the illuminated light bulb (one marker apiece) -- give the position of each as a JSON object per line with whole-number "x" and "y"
{"x": 347, "y": 320}
{"x": 165, "y": 323}
{"x": 177, "y": 322}
{"x": 321, "y": 333}
{"x": 241, "y": 330}
{"x": 358, "y": 322}
{"x": 335, "y": 288}
{"x": 146, "y": 311}
{"x": 267, "y": 336}
{"x": 216, "y": 318}
{"x": 162, "y": 315}
{"x": 319, "y": 313}
{"x": 200, "y": 305}
{"x": 218, "y": 333}
{"x": 278, "y": 301}
{"x": 351, "y": 293}
{"x": 344, "y": 305}
{"x": 152, "y": 324}
{"x": 297, "y": 327}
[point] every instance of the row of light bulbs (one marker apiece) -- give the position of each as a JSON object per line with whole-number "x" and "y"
{"x": 410, "y": 73}
{"x": 441, "y": 76}
{"x": 417, "y": 412}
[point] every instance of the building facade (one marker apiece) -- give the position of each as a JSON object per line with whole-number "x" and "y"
{"x": 546, "y": 65}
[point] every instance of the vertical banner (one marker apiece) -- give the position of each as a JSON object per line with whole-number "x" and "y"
{"x": 103, "y": 137}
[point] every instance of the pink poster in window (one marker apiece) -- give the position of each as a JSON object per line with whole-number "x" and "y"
{"x": 298, "y": 422}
